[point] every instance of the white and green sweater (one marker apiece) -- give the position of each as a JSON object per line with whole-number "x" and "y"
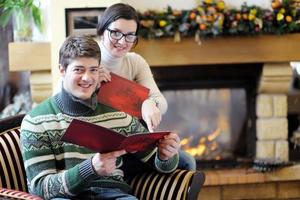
{"x": 58, "y": 169}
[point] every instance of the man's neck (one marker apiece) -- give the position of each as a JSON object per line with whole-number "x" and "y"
{"x": 74, "y": 106}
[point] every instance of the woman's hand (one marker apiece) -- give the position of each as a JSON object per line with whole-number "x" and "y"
{"x": 151, "y": 114}
{"x": 169, "y": 146}
{"x": 105, "y": 163}
{"x": 104, "y": 74}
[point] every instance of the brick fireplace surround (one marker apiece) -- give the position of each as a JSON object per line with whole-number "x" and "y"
{"x": 271, "y": 107}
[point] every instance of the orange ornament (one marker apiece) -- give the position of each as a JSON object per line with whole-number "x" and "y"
{"x": 288, "y": 18}
{"x": 238, "y": 16}
{"x": 245, "y": 16}
{"x": 192, "y": 15}
{"x": 202, "y": 26}
{"x": 210, "y": 18}
{"x": 276, "y": 4}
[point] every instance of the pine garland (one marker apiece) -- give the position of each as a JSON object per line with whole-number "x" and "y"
{"x": 212, "y": 18}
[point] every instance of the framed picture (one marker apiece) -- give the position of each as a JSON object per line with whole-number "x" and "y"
{"x": 82, "y": 21}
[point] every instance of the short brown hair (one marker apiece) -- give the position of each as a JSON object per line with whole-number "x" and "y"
{"x": 78, "y": 46}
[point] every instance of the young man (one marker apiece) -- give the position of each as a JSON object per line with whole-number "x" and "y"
{"x": 56, "y": 169}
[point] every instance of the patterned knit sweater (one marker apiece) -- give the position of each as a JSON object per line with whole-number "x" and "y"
{"x": 58, "y": 169}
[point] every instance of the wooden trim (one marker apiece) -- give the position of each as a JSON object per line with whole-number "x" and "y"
{"x": 215, "y": 177}
{"x": 221, "y": 50}
{"x": 29, "y": 56}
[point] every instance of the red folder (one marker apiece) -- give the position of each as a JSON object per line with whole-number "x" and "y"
{"x": 123, "y": 94}
{"x": 103, "y": 140}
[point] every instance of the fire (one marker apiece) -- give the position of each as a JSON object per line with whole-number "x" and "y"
{"x": 206, "y": 143}
{"x": 214, "y": 134}
{"x": 184, "y": 141}
{"x": 197, "y": 151}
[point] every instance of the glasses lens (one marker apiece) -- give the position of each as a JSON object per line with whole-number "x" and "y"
{"x": 115, "y": 34}
{"x": 130, "y": 38}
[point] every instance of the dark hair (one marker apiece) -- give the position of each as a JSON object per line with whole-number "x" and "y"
{"x": 115, "y": 12}
{"x": 78, "y": 46}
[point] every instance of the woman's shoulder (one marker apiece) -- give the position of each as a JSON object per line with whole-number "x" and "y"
{"x": 133, "y": 56}
{"x": 135, "y": 59}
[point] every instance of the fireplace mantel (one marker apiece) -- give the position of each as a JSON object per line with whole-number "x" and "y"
{"x": 221, "y": 50}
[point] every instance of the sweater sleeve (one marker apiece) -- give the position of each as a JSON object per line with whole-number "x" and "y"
{"x": 44, "y": 178}
{"x": 143, "y": 75}
{"x": 151, "y": 157}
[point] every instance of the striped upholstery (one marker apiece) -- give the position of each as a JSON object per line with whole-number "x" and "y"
{"x": 15, "y": 194}
{"x": 181, "y": 184}
{"x": 12, "y": 171}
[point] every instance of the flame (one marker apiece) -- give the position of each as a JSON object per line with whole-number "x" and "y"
{"x": 196, "y": 151}
{"x": 205, "y": 145}
{"x": 214, "y": 134}
{"x": 202, "y": 140}
{"x": 218, "y": 157}
{"x": 184, "y": 141}
{"x": 213, "y": 146}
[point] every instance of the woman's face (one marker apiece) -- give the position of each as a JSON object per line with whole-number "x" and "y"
{"x": 119, "y": 48}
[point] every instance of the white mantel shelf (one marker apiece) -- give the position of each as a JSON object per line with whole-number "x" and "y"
{"x": 221, "y": 50}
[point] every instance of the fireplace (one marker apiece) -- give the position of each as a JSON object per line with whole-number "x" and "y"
{"x": 213, "y": 109}
{"x": 254, "y": 69}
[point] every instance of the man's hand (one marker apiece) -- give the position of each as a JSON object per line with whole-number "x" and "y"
{"x": 104, "y": 164}
{"x": 104, "y": 74}
{"x": 151, "y": 114}
{"x": 169, "y": 146}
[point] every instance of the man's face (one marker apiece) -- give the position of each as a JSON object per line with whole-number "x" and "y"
{"x": 81, "y": 77}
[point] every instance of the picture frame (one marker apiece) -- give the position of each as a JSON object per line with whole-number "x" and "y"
{"x": 82, "y": 21}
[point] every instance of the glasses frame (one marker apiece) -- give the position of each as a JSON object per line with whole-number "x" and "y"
{"x": 122, "y": 35}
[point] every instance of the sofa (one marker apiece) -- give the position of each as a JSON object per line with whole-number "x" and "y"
{"x": 181, "y": 184}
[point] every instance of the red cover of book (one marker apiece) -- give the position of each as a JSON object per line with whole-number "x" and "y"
{"x": 123, "y": 94}
{"x": 103, "y": 140}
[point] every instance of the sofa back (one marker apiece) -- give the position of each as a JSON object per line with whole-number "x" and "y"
{"x": 181, "y": 184}
{"x": 12, "y": 172}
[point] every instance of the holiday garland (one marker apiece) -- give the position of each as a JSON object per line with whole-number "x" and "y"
{"x": 212, "y": 18}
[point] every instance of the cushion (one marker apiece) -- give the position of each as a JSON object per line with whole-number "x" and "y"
{"x": 153, "y": 185}
{"x": 14, "y": 194}
{"x": 12, "y": 172}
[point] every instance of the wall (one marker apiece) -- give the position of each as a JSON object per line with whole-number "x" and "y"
{"x": 143, "y": 5}
{"x": 54, "y": 18}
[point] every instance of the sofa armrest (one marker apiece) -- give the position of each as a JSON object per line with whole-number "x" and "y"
{"x": 15, "y": 194}
{"x": 181, "y": 184}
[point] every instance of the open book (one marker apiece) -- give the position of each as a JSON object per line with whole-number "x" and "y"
{"x": 103, "y": 140}
{"x": 123, "y": 94}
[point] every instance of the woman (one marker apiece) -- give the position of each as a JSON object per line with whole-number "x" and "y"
{"x": 118, "y": 31}
{"x": 118, "y": 34}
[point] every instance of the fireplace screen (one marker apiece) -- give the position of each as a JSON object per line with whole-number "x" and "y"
{"x": 209, "y": 121}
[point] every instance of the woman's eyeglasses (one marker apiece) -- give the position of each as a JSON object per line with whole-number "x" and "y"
{"x": 117, "y": 35}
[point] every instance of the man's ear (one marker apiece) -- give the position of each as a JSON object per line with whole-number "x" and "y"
{"x": 62, "y": 70}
